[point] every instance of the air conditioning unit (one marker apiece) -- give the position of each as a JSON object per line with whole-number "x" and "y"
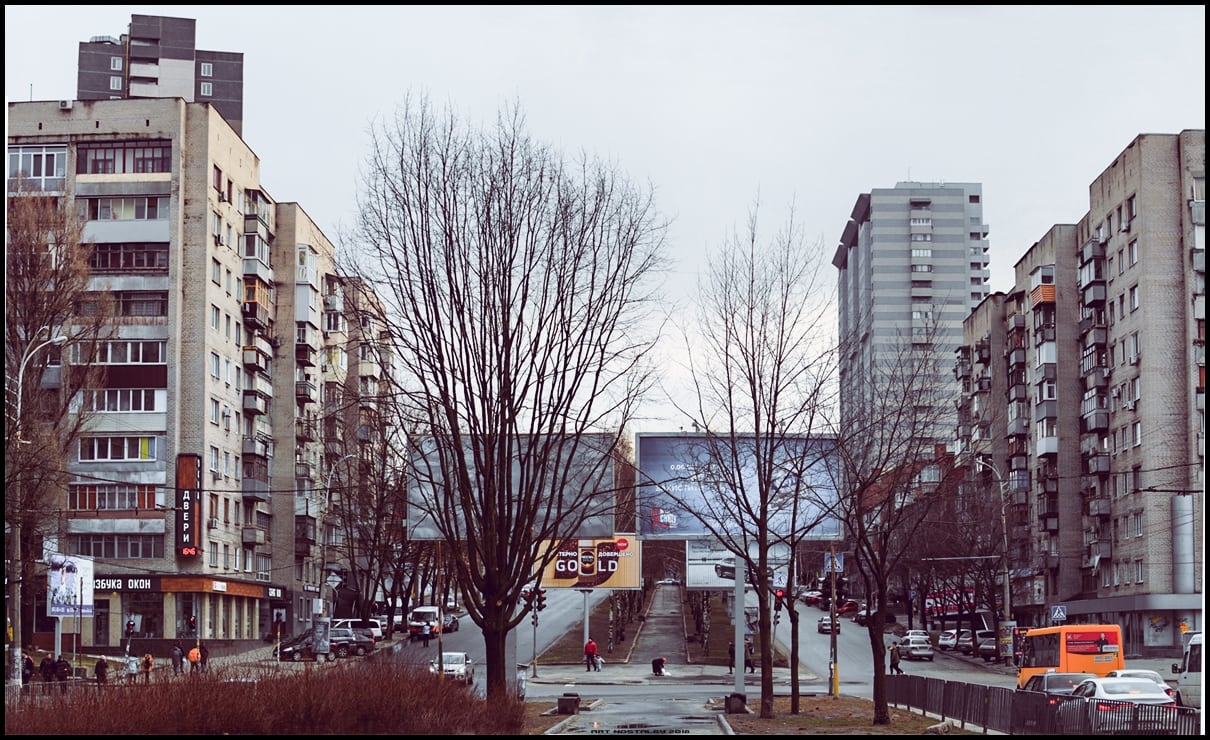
{"x": 64, "y": 105}
{"x": 1128, "y": 405}
{"x": 1134, "y": 359}
{"x": 1126, "y": 225}
{"x": 213, "y": 522}
{"x": 1115, "y": 392}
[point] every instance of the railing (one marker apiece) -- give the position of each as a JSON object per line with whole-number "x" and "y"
{"x": 1013, "y": 712}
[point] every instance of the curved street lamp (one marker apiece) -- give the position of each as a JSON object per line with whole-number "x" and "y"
{"x": 14, "y": 525}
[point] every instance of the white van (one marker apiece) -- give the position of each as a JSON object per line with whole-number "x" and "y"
{"x": 1189, "y": 673}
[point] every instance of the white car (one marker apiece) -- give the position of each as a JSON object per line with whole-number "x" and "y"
{"x": 375, "y": 626}
{"x": 918, "y": 633}
{"x": 949, "y": 639}
{"x": 1143, "y": 673}
{"x": 916, "y": 648}
{"x": 1112, "y": 705}
{"x": 457, "y": 666}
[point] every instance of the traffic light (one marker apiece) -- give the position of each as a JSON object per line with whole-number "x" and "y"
{"x": 529, "y": 598}
{"x": 780, "y": 595}
{"x": 541, "y": 599}
{"x": 130, "y": 628}
{"x": 193, "y": 623}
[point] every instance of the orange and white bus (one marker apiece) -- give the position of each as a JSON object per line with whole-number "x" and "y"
{"x": 1071, "y": 648}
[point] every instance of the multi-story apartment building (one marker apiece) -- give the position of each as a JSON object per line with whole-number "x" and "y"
{"x": 1084, "y": 398}
{"x": 158, "y": 58}
{"x": 198, "y": 486}
{"x": 912, "y": 264}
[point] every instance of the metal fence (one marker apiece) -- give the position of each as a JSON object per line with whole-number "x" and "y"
{"x": 1013, "y": 712}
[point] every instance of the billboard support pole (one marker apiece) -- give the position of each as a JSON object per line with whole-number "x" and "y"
{"x": 738, "y": 619}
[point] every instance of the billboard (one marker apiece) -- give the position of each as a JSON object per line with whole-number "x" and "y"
{"x": 681, "y": 490}
{"x": 577, "y": 474}
{"x": 594, "y": 563}
{"x": 710, "y": 565}
{"x": 69, "y": 585}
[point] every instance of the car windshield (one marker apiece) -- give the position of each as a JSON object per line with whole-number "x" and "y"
{"x": 453, "y": 659}
{"x": 1127, "y": 687}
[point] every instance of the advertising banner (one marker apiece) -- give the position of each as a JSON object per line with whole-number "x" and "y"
{"x": 711, "y": 566}
{"x": 69, "y": 583}
{"x": 594, "y": 563}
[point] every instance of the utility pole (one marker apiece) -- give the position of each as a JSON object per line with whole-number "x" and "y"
{"x": 1006, "y": 620}
{"x": 834, "y": 672}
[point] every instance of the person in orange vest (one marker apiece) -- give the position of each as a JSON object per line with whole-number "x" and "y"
{"x": 147, "y": 665}
{"x": 195, "y": 659}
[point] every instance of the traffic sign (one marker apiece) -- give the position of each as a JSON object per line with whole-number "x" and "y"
{"x": 1058, "y": 613}
{"x": 334, "y": 581}
{"x": 833, "y": 562}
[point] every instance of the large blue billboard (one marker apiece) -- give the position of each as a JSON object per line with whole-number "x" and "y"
{"x": 688, "y": 481}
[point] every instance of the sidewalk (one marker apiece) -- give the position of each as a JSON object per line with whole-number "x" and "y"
{"x": 661, "y": 635}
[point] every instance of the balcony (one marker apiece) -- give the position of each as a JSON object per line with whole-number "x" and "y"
{"x": 1016, "y": 322}
{"x": 1093, "y": 295}
{"x": 1047, "y": 446}
{"x": 1050, "y": 522}
{"x": 1098, "y": 464}
{"x": 305, "y": 392}
{"x": 255, "y": 447}
{"x": 306, "y": 430}
{"x": 1096, "y": 337}
{"x": 253, "y": 359}
{"x": 1016, "y": 356}
{"x": 1100, "y": 507}
{"x": 255, "y": 489}
{"x": 1093, "y": 249}
{"x": 1018, "y": 392}
{"x": 255, "y": 403}
{"x": 1018, "y": 427}
{"x": 253, "y": 536}
{"x": 1046, "y": 410}
{"x": 254, "y": 268}
{"x": 1096, "y": 421}
{"x": 1050, "y": 560}
{"x": 1102, "y": 547}
{"x": 256, "y": 315}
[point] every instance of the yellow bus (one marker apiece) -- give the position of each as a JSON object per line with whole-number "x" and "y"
{"x": 1071, "y": 648}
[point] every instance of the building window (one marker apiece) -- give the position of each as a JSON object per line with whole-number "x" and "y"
{"x": 123, "y": 157}
{"x": 207, "y": 89}
{"x": 142, "y": 304}
{"x": 118, "y": 546}
{"x": 922, "y": 237}
{"x": 214, "y": 409}
{"x": 214, "y": 316}
{"x": 1105, "y": 578}
{"x": 117, "y": 400}
{"x": 111, "y": 497}
{"x": 154, "y": 208}
{"x": 1121, "y": 262}
{"x": 1132, "y": 208}
{"x": 126, "y": 353}
{"x": 207, "y": 69}
{"x": 972, "y": 199}
{"x": 218, "y": 178}
{"x": 215, "y": 365}
{"x": 1133, "y": 250}
{"x": 97, "y": 449}
{"x": 922, "y": 268}
{"x": 37, "y": 167}
{"x": 135, "y": 257}
{"x": 115, "y": 83}
{"x": 1138, "y": 571}
{"x": 1134, "y": 298}
{"x": 922, "y": 252}
{"x": 213, "y": 459}
{"x": 1136, "y": 433}
{"x": 1138, "y": 524}
{"x": 115, "y": 64}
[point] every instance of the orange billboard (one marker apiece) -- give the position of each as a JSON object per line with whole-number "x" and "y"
{"x": 594, "y": 563}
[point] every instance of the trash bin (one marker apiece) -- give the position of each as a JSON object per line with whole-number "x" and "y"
{"x": 569, "y": 703}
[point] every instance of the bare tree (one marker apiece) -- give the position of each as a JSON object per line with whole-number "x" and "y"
{"x": 763, "y": 370}
{"x": 519, "y": 288}
{"x": 52, "y": 327}
{"x": 891, "y": 470}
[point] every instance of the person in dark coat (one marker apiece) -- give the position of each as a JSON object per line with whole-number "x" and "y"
{"x": 101, "y": 670}
{"x": 27, "y": 669}
{"x": 204, "y": 654}
{"x": 47, "y": 669}
{"x": 178, "y": 659}
{"x": 731, "y": 657}
{"x": 62, "y": 672}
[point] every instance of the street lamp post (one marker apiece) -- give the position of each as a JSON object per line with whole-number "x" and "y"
{"x": 327, "y": 507}
{"x": 1006, "y": 617}
{"x": 16, "y": 561}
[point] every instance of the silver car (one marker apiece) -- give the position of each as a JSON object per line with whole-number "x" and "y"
{"x": 916, "y": 648}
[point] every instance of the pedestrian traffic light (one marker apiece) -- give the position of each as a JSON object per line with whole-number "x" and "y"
{"x": 193, "y": 622}
{"x": 529, "y": 597}
{"x": 781, "y": 595}
{"x": 130, "y": 628}
{"x": 541, "y": 598}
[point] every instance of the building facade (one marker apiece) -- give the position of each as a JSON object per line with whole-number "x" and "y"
{"x": 158, "y": 58}
{"x": 1084, "y": 393}
{"x": 195, "y": 487}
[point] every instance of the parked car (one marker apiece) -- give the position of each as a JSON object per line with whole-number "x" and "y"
{"x": 301, "y": 647}
{"x": 347, "y": 641}
{"x": 522, "y": 680}
{"x": 451, "y": 624}
{"x": 988, "y": 648}
{"x": 373, "y": 625}
{"x": 918, "y": 633}
{"x": 810, "y": 598}
{"x": 827, "y": 625}
{"x": 1145, "y": 673}
{"x": 949, "y": 639}
{"x": 456, "y": 666}
{"x": 916, "y": 648}
{"x": 1056, "y": 684}
{"x": 1111, "y": 706}
{"x": 967, "y": 642}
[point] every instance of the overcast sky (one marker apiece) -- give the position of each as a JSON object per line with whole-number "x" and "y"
{"x": 714, "y": 105}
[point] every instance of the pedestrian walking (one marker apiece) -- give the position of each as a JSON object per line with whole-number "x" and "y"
{"x": 62, "y": 672}
{"x": 47, "y": 669}
{"x": 590, "y": 655}
{"x": 101, "y": 671}
{"x": 749, "y": 650}
{"x": 426, "y": 633}
{"x": 195, "y": 659}
{"x": 147, "y": 664}
{"x": 178, "y": 658}
{"x": 895, "y": 658}
{"x": 731, "y": 657}
{"x": 27, "y": 668}
{"x": 204, "y": 654}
